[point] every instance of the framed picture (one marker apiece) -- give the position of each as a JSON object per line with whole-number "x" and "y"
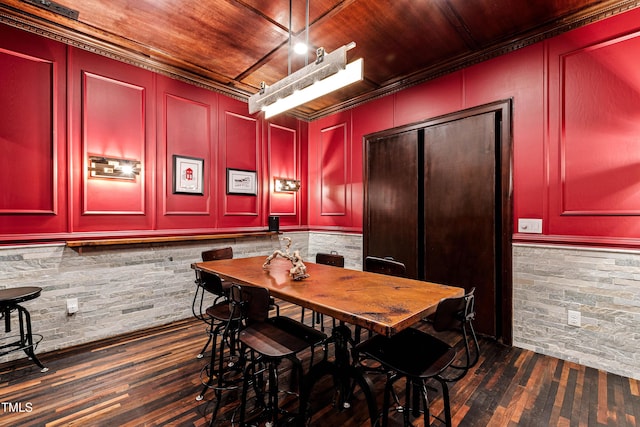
{"x": 242, "y": 182}
{"x": 188, "y": 175}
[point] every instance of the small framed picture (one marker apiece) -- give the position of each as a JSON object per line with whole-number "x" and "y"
{"x": 242, "y": 182}
{"x": 188, "y": 175}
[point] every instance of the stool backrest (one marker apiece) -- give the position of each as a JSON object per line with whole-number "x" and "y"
{"x": 451, "y": 313}
{"x": 458, "y": 314}
{"x": 215, "y": 254}
{"x": 333, "y": 258}
{"x": 210, "y": 282}
{"x": 253, "y": 301}
{"x": 386, "y": 265}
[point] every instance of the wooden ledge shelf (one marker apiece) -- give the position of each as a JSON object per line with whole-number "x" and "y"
{"x": 80, "y": 244}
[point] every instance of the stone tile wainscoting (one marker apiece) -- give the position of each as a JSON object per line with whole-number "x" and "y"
{"x": 602, "y": 284}
{"x": 129, "y": 288}
{"x": 119, "y": 289}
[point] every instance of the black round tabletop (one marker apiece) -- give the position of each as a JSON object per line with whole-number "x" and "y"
{"x": 19, "y": 294}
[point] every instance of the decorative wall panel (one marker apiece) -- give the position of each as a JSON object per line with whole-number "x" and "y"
{"x": 113, "y": 124}
{"x": 600, "y": 143}
{"x": 283, "y": 155}
{"x": 33, "y": 118}
{"x": 239, "y": 147}
{"x": 187, "y": 133}
{"x": 331, "y": 156}
{"x": 112, "y": 109}
{"x": 27, "y": 134}
{"x": 333, "y": 181}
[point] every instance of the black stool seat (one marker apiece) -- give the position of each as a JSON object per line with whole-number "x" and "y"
{"x": 280, "y": 337}
{"x": 418, "y": 356}
{"x": 10, "y": 300}
{"x": 13, "y": 296}
{"x": 428, "y": 355}
{"x": 268, "y": 341}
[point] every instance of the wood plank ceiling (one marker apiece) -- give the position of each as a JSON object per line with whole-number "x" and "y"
{"x": 232, "y": 45}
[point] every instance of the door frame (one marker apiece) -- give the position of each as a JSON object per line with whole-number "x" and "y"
{"x": 504, "y": 200}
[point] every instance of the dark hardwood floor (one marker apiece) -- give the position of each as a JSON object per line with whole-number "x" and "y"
{"x": 152, "y": 379}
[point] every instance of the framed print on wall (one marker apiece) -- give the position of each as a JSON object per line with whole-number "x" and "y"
{"x": 188, "y": 175}
{"x": 242, "y": 182}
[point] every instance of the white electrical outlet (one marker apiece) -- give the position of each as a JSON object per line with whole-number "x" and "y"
{"x": 574, "y": 318}
{"x": 529, "y": 225}
{"x": 72, "y": 305}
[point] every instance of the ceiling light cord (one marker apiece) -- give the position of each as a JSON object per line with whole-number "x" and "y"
{"x": 290, "y": 24}
{"x": 306, "y": 41}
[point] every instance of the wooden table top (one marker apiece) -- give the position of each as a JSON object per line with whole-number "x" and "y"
{"x": 384, "y": 304}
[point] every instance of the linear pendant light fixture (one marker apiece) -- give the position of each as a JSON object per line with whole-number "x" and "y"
{"x": 328, "y": 73}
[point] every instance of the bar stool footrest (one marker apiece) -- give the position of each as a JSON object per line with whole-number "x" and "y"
{"x": 231, "y": 377}
{"x": 20, "y": 344}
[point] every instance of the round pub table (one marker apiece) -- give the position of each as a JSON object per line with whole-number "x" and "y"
{"x": 10, "y": 300}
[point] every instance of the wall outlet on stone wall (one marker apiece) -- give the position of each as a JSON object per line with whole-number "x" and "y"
{"x": 72, "y": 306}
{"x": 574, "y": 318}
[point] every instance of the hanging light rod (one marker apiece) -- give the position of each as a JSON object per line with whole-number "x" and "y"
{"x": 328, "y": 73}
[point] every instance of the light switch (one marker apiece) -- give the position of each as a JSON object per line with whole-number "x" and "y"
{"x": 529, "y": 225}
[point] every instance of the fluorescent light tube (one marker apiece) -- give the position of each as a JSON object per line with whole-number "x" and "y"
{"x": 351, "y": 74}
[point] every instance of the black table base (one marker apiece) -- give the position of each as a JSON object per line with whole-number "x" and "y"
{"x": 345, "y": 376}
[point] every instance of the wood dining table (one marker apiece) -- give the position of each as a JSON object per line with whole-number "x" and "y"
{"x": 382, "y": 304}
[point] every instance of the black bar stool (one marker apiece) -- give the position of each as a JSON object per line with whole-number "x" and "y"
{"x": 10, "y": 300}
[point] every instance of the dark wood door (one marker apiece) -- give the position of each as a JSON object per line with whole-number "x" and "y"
{"x": 392, "y": 171}
{"x": 454, "y": 224}
{"x": 460, "y": 210}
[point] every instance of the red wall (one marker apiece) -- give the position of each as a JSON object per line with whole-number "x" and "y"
{"x": 575, "y": 125}
{"x": 186, "y": 127}
{"x": 576, "y": 103}
{"x": 112, "y": 114}
{"x": 331, "y": 172}
{"x": 60, "y": 104}
{"x": 33, "y": 156}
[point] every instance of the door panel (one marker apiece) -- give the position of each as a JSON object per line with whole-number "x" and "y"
{"x": 391, "y": 199}
{"x": 460, "y": 209}
{"x": 453, "y": 224}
